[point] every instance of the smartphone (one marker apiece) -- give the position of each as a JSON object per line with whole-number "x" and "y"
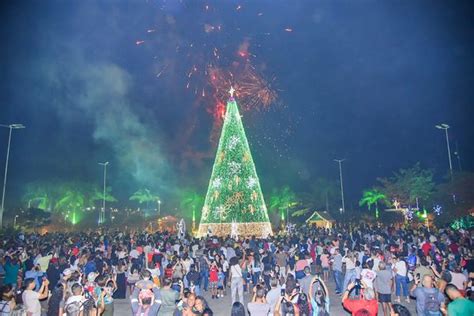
{"x": 418, "y": 276}
{"x": 357, "y": 284}
{"x": 282, "y": 292}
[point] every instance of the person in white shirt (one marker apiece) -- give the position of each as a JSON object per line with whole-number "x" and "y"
{"x": 458, "y": 278}
{"x": 401, "y": 279}
{"x": 31, "y": 299}
{"x": 368, "y": 275}
{"x": 236, "y": 285}
{"x": 350, "y": 275}
{"x": 134, "y": 254}
{"x": 74, "y": 304}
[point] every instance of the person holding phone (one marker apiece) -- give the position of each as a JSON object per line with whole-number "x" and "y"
{"x": 319, "y": 296}
{"x": 286, "y": 305}
{"x": 258, "y": 305}
{"x": 423, "y": 269}
{"x": 31, "y": 298}
{"x": 365, "y": 304}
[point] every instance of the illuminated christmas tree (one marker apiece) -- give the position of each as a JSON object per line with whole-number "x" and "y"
{"x": 234, "y": 197}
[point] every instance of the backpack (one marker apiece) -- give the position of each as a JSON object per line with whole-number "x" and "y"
{"x": 74, "y": 308}
{"x": 411, "y": 260}
{"x": 4, "y": 308}
{"x": 432, "y": 304}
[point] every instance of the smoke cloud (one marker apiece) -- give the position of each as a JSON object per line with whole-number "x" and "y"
{"x": 100, "y": 92}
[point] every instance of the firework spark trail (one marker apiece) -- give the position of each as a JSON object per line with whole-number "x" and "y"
{"x": 252, "y": 90}
{"x": 200, "y": 52}
{"x": 207, "y": 61}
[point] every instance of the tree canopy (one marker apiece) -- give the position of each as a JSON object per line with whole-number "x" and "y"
{"x": 408, "y": 185}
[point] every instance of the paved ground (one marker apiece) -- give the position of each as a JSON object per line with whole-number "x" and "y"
{"x": 222, "y": 306}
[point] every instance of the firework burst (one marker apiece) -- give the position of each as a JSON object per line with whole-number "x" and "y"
{"x": 252, "y": 90}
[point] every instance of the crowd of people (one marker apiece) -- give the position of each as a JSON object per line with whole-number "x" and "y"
{"x": 369, "y": 270}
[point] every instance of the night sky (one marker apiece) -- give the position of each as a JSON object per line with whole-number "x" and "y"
{"x": 106, "y": 80}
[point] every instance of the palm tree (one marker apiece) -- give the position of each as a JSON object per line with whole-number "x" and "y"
{"x": 144, "y": 196}
{"x": 71, "y": 202}
{"x": 39, "y": 200}
{"x": 282, "y": 200}
{"x": 371, "y": 197}
{"x": 192, "y": 200}
{"x": 98, "y": 195}
{"x": 40, "y": 195}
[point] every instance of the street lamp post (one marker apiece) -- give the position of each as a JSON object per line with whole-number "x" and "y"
{"x": 339, "y": 161}
{"x": 11, "y": 127}
{"x": 445, "y": 127}
{"x": 102, "y": 213}
{"x": 159, "y": 208}
{"x": 14, "y": 220}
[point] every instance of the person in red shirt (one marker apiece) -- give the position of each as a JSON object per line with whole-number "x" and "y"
{"x": 366, "y": 305}
{"x": 213, "y": 278}
{"x": 454, "y": 247}
{"x": 426, "y": 248}
{"x": 169, "y": 271}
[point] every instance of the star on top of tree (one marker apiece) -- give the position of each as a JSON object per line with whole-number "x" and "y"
{"x": 231, "y": 91}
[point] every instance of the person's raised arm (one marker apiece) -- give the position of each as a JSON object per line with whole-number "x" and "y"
{"x": 243, "y": 263}
{"x": 254, "y": 295}
{"x": 181, "y": 289}
{"x": 276, "y": 311}
{"x": 43, "y": 291}
{"x": 325, "y": 288}
{"x": 311, "y": 288}
{"x": 346, "y": 293}
{"x": 414, "y": 286}
{"x": 435, "y": 271}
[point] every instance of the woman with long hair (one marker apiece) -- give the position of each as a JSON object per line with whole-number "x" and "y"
{"x": 236, "y": 277}
{"x": 121, "y": 280}
{"x": 303, "y": 305}
{"x": 7, "y": 300}
{"x": 401, "y": 280}
{"x": 238, "y": 309}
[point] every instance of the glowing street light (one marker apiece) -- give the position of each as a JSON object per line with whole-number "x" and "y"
{"x": 445, "y": 127}
{"x": 339, "y": 161}
{"x": 102, "y": 212}
{"x": 159, "y": 208}
{"x": 11, "y": 127}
